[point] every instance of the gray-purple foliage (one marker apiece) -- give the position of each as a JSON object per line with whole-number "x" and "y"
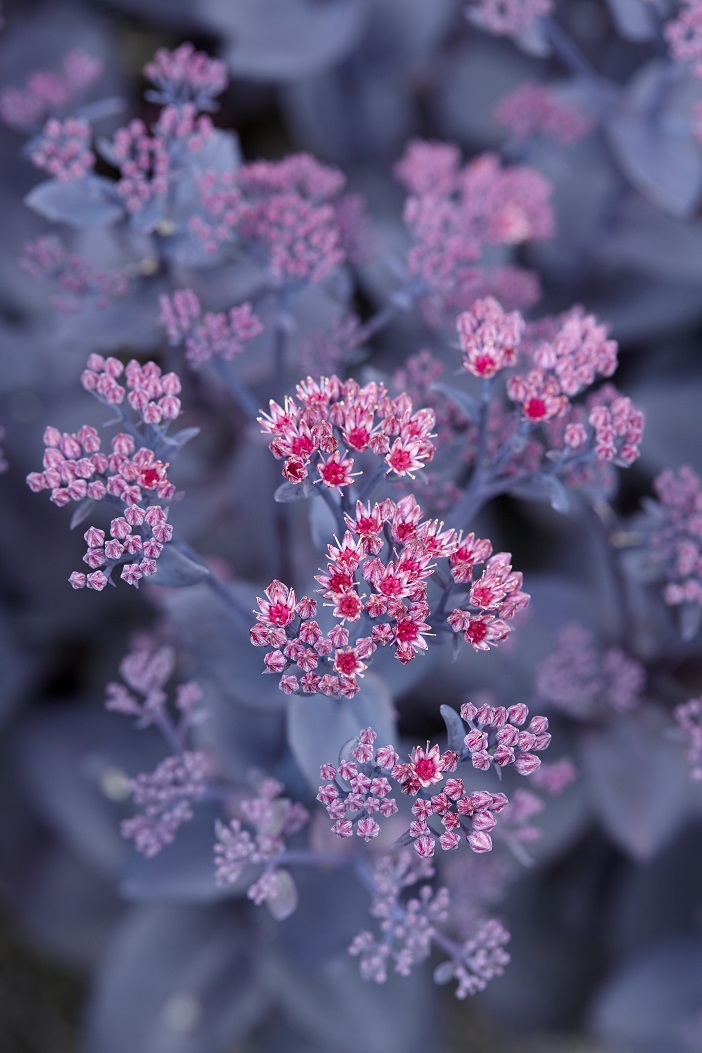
{"x": 361, "y": 338}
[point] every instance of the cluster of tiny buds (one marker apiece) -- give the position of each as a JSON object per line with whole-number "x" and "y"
{"x": 256, "y": 836}
{"x": 128, "y": 538}
{"x": 79, "y": 279}
{"x": 165, "y": 797}
{"x": 676, "y": 540}
{"x": 533, "y": 109}
{"x": 151, "y": 393}
{"x": 207, "y": 335}
{"x": 495, "y": 737}
{"x": 63, "y": 149}
{"x": 186, "y": 75}
{"x": 48, "y": 93}
{"x": 75, "y": 468}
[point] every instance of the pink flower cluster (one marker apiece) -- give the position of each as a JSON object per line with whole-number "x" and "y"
{"x": 578, "y": 353}
{"x": 357, "y": 790}
{"x": 337, "y": 420}
{"x": 152, "y": 394}
{"x": 284, "y": 211}
{"x": 533, "y": 109}
{"x": 186, "y": 75}
{"x": 257, "y": 836}
{"x": 148, "y": 162}
{"x": 495, "y": 737}
{"x": 587, "y": 681}
{"x": 676, "y": 541}
{"x": 688, "y": 717}
{"x": 493, "y": 599}
{"x": 411, "y": 924}
{"x": 76, "y": 469}
{"x": 395, "y": 603}
{"x": 220, "y": 209}
{"x": 453, "y": 213}
{"x": 684, "y": 35}
{"x": 408, "y": 926}
{"x": 139, "y": 535}
{"x": 166, "y": 796}
{"x": 63, "y": 149}
{"x": 509, "y": 17}
{"x": 146, "y": 670}
{"x": 617, "y": 425}
{"x": 80, "y": 280}
{"x": 48, "y": 93}
{"x": 489, "y": 337}
{"x": 209, "y": 335}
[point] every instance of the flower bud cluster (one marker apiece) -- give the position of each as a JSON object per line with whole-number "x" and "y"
{"x": 489, "y": 337}
{"x": 149, "y": 161}
{"x": 77, "y": 469}
{"x": 81, "y": 281}
{"x": 209, "y": 335}
{"x": 452, "y": 214}
{"x": 150, "y": 393}
{"x": 63, "y": 149}
{"x": 534, "y": 110}
{"x": 408, "y": 923}
{"x": 288, "y": 213}
{"x": 166, "y": 796}
{"x": 257, "y": 836}
{"x": 587, "y": 681}
{"x": 497, "y": 736}
{"x": 185, "y": 75}
{"x": 676, "y": 537}
{"x": 48, "y": 93}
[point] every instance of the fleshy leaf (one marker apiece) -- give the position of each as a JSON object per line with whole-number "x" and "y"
{"x": 283, "y": 902}
{"x": 176, "y": 980}
{"x": 284, "y": 39}
{"x": 650, "y": 134}
{"x": 635, "y": 19}
{"x": 460, "y": 398}
{"x": 295, "y": 492}
{"x": 181, "y": 437}
{"x": 455, "y": 729}
{"x": 81, "y": 512}
{"x": 73, "y": 766}
{"x": 176, "y": 570}
{"x": 89, "y": 202}
{"x": 635, "y": 780}
{"x": 646, "y": 1004}
{"x": 320, "y": 991}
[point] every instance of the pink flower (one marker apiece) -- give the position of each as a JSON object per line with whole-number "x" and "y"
{"x": 279, "y": 607}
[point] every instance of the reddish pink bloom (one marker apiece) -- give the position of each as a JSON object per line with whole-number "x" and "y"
{"x": 336, "y": 471}
{"x": 279, "y": 607}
